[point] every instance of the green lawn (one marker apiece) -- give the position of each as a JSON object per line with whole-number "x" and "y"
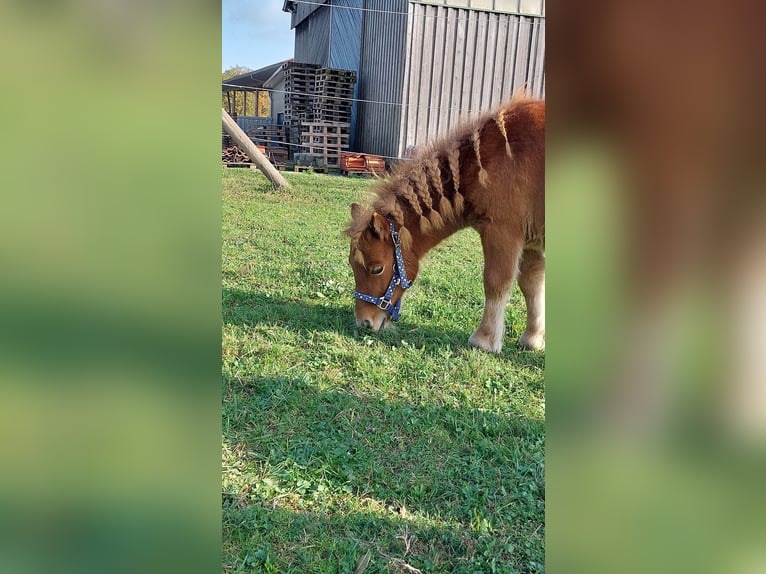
{"x": 346, "y": 451}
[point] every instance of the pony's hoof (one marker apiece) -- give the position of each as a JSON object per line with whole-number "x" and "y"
{"x": 484, "y": 343}
{"x": 532, "y": 341}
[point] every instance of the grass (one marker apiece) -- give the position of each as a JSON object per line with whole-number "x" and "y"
{"x": 346, "y": 451}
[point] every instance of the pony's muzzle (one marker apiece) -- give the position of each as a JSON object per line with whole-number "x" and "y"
{"x": 371, "y": 317}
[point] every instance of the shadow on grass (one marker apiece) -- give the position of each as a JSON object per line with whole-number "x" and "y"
{"x": 249, "y": 309}
{"x": 261, "y": 538}
{"x": 357, "y": 470}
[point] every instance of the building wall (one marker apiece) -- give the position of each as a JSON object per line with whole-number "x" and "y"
{"x": 463, "y": 62}
{"x": 303, "y": 10}
{"x": 331, "y": 36}
{"x": 381, "y": 76}
{"x": 312, "y": 38}
{"x": 277, "y": 84}
{"x": 425, "y": 64}
{"x": 345, "y": 46}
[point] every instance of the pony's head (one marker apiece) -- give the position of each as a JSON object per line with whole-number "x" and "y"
{"x": 377, "y": 261}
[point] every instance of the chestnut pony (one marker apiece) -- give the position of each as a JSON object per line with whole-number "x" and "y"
{"x": 489, "y": 175}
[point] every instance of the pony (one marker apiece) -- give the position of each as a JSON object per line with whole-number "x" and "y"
{"x": 489, "y": 175}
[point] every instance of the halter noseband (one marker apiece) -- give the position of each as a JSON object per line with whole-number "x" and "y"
{"x": 399, "y": 278}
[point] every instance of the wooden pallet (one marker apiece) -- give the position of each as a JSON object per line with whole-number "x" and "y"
{"x": 269, "y": 134}
{"x": 328, "y": 73}
{"x": 321, "y": 85}
{"x": 332, "y": 117}
{"x": 332, "y": 110}
{"x": 326, "y": 88}
{"x": 326, "y": 127}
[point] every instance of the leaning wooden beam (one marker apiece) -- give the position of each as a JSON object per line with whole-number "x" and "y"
{"x": 255, "y": 155}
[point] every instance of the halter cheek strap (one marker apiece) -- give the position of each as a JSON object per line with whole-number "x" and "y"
{"x": 399, "y": 278}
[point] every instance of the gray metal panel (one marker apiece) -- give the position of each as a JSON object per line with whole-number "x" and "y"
{"x": 346, "y": 45}
{"x": 302, "y": 11}
{"x": 345, "y": 34}
{"x": 483, "y": 57}
{"x": 380, "y": 78}
{"x": 312, "y": 38}
{"x": 533, "y": 7}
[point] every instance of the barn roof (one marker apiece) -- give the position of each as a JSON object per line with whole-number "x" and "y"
{"x": 254, "y": 79}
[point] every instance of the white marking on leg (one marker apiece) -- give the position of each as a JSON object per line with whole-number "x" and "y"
{"x": 534, "y": 335}
{"x": 489, "y": 335}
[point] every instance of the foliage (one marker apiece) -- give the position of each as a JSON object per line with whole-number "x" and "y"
{"x": 345, "y": 451}
{"x": 240, "y": 103}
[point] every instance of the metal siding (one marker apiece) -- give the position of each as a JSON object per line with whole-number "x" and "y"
{"x": 405, "y": 112}
{"x": 345, "y": 35}
{"x": 303, "y": 11}
{"x": 312, "y": 38}
{"x": 458, "y": 75}
{"x": 501, "y": 47}
{"x": 346, "y": 46}
{"x": 523, "y": 41}
{"x": 484, "y": 58}
{"x": 534, "y": 7}
{"x": 380, "y": 77}
{"x": 424, "y": 110}
{"x": 442, "y": 65}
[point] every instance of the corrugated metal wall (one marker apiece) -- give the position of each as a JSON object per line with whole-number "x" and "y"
{"x": 346, "y": 34}
{"x": 303, "y": 10}
{"x": 381, "y": 76}
{"x": 312, "y": 38}
{"x": 331, "y": 36}
{"x": 345, "y": 46}
{"x": 462, "y": 62}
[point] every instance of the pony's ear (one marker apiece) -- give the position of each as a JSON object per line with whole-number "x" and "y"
{"x": 379, "y": 225}
{"x": 356, "y": 210}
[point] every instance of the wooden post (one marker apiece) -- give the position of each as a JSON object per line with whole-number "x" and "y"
{"x": 247, "y": 146}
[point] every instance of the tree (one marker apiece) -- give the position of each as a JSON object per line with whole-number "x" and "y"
{"x": 237, "y": 102}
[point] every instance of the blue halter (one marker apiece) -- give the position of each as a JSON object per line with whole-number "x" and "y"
{"x": 399, "y": 278}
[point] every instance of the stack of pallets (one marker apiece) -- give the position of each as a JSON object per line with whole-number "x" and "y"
{"x": 328, "y": 134}
{"x": 299, "y": 97}
{"x": 318, "y": 110}
{"x": 334, "y": 91}
{"x": 325, "y": 141}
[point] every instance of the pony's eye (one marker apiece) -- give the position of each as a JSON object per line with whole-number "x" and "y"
{"x": 377, "y": 270}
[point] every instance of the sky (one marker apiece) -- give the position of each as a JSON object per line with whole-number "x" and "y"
{"x": 255, "y": 33}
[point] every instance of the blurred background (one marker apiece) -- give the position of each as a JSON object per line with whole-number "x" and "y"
{"x": 656, "y": 371}
{"x": 110, "y": 307}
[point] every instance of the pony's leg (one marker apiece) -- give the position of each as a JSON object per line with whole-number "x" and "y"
{"x": 501, "y": 263}
{"x": 532, "y": 284}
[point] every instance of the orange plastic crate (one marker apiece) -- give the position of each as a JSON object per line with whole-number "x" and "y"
{"x": 361, "y": 162}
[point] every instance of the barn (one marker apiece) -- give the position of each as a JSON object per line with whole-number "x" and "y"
{"x": 421, "y": 65}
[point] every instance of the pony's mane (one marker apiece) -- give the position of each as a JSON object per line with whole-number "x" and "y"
{"x": 428, "y": 186}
